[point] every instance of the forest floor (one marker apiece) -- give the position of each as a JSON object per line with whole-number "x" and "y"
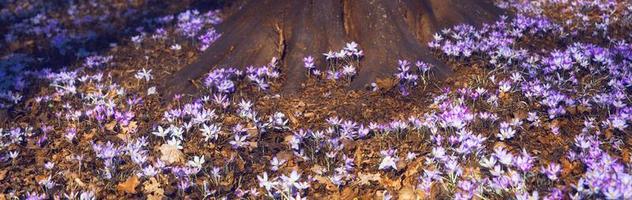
{"x": 537, "y": 108}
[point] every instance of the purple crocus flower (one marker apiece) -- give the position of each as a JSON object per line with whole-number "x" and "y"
{"x": 551, "y": 171}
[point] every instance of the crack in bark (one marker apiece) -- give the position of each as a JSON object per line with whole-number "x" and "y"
{"x": 281, "y": 45}
{"x": 345, "y": 16}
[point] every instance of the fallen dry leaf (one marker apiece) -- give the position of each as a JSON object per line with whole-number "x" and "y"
{"x": 79, "y": 182}
{"x": 230, "y": 120}
{"x": 503, "y": 96}
{"x": 408, "y": 193}
{"x": 41, "y": 178}
{"x": 318, "y": 169}
{"x": 152, "y": 187}
{"x": 365, "y": 179}
{"x": 293, "y": 119}
{"x": 385, "y": 83}
{"x": 520, "y": 114}
{"x": 567, "y": 167}
{"x": 252, "y": 130}
{"x": 154, "y": 197}
{"x": 625, "y": 156}
{"x": 412, "y": 171}
{"x": 124, "y": 137}
{"x": 110, "y": 126}
{"x": 349, "y": 193}
{"x": 325, "y": 181}
{"x": 285, "y": 155}
{"x": 129, "y": 186}
{"x": 3, "y": 174}
{"x": 395, "y": 184}
{"x": 609, "y": 133}
{"x": 130, "y": 128}
{"x": 171, "y": 154}
{"x": 380, "y": 194}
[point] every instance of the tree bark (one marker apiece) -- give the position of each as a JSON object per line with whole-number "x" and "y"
{"x": 386, "y": 30}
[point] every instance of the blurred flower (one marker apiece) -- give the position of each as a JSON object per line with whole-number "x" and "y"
{"x": 49, "y": 165}
{"x": 160, "y": 132}
{"x": 291, "y": 180}
{"x": 389, "y": 159}
{"x": 265, "y": 182}
{"x": 506, "y": 132}
{"x": 151, "y": 91}
{"x": 14, "y": 154}
{"x": 551, "y": 171}
{"x": 210, "y": 132}
{"x": 488, "y": 162}
{"x": 503, "y": 156}
{"x": 208, "y": 38}
{"x": 276, "y": 163}
{"x": 175, "y": 47}
{"x": 239, "y": 141}
{"x": 524, "y": 162}
{"x": 143, "y": 74}
{"x": 197, "y": 162}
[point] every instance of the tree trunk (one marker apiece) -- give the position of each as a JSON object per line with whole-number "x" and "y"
{"x": 386, "y": 30}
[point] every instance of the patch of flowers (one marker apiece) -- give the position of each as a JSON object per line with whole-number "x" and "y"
{"x": 409, "y": 77}
{"x": 342, "y": 64}
{"x": 225, "y": 80}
